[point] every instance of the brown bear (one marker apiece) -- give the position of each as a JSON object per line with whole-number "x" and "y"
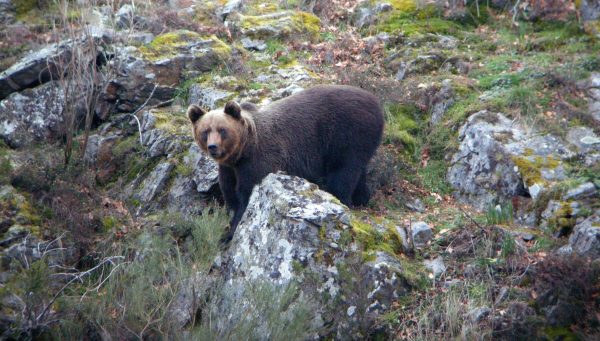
{"x": 325, "y": 134}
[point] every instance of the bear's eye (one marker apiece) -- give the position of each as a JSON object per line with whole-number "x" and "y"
{"x": 204, "y": 135}
{"x": 223, "y": 132}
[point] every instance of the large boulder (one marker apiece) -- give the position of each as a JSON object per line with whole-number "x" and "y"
{"x": 585, "y": 239}
{"x": 45, "y": 64}
{"x": 32, "y": 115}
{"x": 589, "y": 10}
{"x": 196, "y": 184}
{"x": 150, "y": 74}
{"x": 499, "y": 159}
{"x": 295, "y": 235}
{"x": 593, "y": 90}
{"x": 282, "y": 24}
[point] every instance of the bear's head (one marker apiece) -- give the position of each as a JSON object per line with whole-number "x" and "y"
{"x": 222, "y": 134}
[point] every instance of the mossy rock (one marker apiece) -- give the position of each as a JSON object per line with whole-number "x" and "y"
{"x": 531, "y": 166}
{"x": 283, "y": 25}
{"x": 171, "y": 44}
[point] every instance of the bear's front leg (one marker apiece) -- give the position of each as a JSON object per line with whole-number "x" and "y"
{"x": 228, "y": 184}
{"x": 243, "y": 192}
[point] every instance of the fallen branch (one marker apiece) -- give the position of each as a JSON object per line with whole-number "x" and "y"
{"x": 139, "y": 109}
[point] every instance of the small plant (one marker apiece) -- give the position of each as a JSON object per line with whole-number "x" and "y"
{"x": 499, "y": 214}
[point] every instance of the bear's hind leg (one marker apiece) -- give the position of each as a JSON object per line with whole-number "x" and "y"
{"x": 361, "y": 194}
{"x": 342, "y": 181}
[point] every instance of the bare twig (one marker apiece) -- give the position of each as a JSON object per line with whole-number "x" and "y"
{"x": 78, "y": 276}
{"x": 139, "y": 109}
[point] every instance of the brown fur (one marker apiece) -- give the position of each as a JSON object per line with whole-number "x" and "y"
{"x": 326, "y": 134}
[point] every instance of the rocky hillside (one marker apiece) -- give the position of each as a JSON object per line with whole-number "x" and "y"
{"x": 485, "y": 218}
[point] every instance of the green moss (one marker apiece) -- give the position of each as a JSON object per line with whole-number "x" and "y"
{"x": 174, "y": 122}
{"x": 414, "y": 272}
{"x": 109, "y": 223}
{"x": 5, "y": 168}
{"x": 561, "y": 333}
{"x": 401, "y": 23}
{"x": 563, "y": 220}
{"x": 169, "y": 44}
{"x": 401, "y": 126}
{"x": 372, "y": 240}
{"x": 125, "y": 146}
{"x": 184, "y": 169}
{"x": 530, "y": 170}
{"x": 307, "y": 23}
{"x": 22, "y": 7}
{"x": 405, "y": 6}
{"x": 433, "y": 177}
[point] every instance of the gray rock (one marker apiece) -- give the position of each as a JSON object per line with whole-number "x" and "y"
{"x": 290, "y": 90}
{"x": 482, "y": 171}
{"x": 441, "y": 101}
{"x": 155, "y": 182}
{"x": 402, "y": 69}
{"x": 415, "y": 205}
{"x": 154, "y": 78}
{"x": 284, "y": 237}
{"x": 421, "y": 233}
{"x": 254, "y": 45}
{"x": 159, "y": 142}
{"x": 554, "y": 206}
{"x": 585, "y": 239}
{"x": 230, "y": 7}
{"x": 190, "y": 193}
{"x": 44, "y": 64}
{"x": 404, "y": 237}
{"x": 436, "y": 266}
{"x": 97, "y": 144}
{"x": 138, "y": 37}
{"x": 126, "y": 18}
{"x": 208, "y": 97}
{"x": 364, "y": 17}
{"x": 282, "y": 24}
{"x": 7, "y": 12}
{"x": 502, "y": 295}
{"x": 191, "y": 292}
{"x": 590, "y": 10}
{"x": 32, "y": 116}
{"x": 594, "y": 95}
{"x": 383, "y": 7}
{"x": 478, "y": 314}
{"x": 527, "y": 236}
{"x": 205, "y": 170}
{"x": 585, "y": 190}
{"x": 541, "y": 145}
{"x": 584, "y": 138}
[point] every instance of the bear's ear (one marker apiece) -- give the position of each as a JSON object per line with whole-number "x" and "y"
{"x": 233, "y": 109}
{"x": 194, "y": 113}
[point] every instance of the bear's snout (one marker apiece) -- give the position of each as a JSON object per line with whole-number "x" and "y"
{"x": 212, "y": 149}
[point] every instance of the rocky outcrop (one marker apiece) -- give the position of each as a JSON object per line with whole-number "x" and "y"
{"x": 282, "y": 24}
{"x": 32, "y": 116}
{"x": 585, "y": 239}
{"x": 593, "y": 90}
{"x": 45, "y": 64}
{"x": 499, "y": 159}
{"x": 292, "y": 233}
{"x": 150, "y": 74}
{"x": 482, "y": 170}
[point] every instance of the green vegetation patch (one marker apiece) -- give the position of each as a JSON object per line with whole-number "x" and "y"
{"x": 530, "y": 167}
{"x": 170, "y": 44}
{"x": 401, "y": 126}
{"x": 400, "y": 22}
{"x": 388, "y": 240}
{"x": 174, "y": 122}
